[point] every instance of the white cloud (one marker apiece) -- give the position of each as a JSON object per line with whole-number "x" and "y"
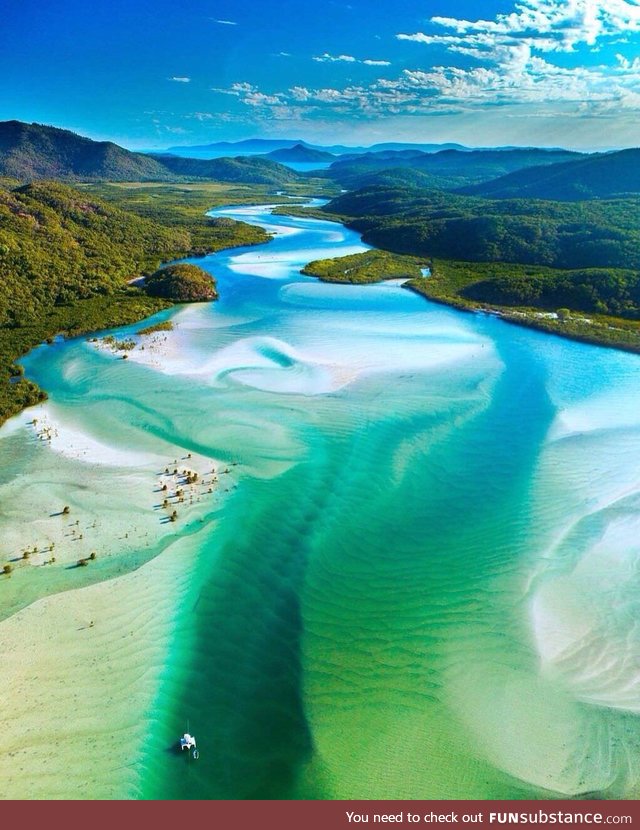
{"x": 180, "y": 80}
{"x": 544, "y": 25}
{"x": 626, "y": 65}
{"x": 511, "y": 47}
{"x": 327, "y": 58}
{"x": 259, "y": 99}
{"x": 542, "y": 55}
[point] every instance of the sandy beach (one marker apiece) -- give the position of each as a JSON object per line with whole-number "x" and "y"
{"x": 82, "y": 667}
{"x": 80, "y": 680}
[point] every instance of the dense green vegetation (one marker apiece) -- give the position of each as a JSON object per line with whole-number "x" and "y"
{"x": 613, "y": 292}
{"x": 593, "y": 234}
{"x": 164, "y": 325}
{"x": 122, "y": 307}
{"x": 57, "y": 246}
{"x": 587, "y": 254}
{"x": 251, "y": 169}
{"x": 594, "y": 176}
{"x": 183, "y": 206}
{"x": 367, "y": 267}
{"x": 606, "y": 291}
{"x": 65, "y": 260}
{"x": 181, "y": 283}
{"x": 543, "y": 264}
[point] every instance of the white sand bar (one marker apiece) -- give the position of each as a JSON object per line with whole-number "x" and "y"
{"x": 81, "y": 673}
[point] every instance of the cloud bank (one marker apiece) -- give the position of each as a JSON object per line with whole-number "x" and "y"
{"x": 547, "y": 56}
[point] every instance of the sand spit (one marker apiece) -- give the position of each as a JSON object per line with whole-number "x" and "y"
{"x": 84, "y": 496}
{"x": 81, "y": 672}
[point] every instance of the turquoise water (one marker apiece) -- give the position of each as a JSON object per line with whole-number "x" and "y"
{"x": 422, "y": 580}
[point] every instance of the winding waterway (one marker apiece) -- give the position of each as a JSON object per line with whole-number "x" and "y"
{"x": 418, "y": 578}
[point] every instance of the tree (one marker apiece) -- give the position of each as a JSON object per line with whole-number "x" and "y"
{"x": 182, "y": 283}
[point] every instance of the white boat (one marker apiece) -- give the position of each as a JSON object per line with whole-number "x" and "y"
{"x": 187, "y": 741}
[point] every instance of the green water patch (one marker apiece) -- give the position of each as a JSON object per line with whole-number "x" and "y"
{"x": 242, "y": 689}
{"x": 398, "y": 598}
{"x": 345, "y": 593}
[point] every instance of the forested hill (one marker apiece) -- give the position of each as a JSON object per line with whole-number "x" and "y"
{"x": 65, "y": 261}
{"x": 447, "y": 169}
{"x": 300, "y": 153}
{"x": 432, "y": 223}
{"x": 34, "y": 151}
{"x": 248, "y": 169}
{"x": 595, "y": 176}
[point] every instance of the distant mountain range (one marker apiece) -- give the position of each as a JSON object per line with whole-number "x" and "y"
{"x": 300, "y": 153}
{"x": 601, "y": 175}
{"x": 36, "y": 151}
{"x": 253, "y": 146}
{"x": 446, "y": 170}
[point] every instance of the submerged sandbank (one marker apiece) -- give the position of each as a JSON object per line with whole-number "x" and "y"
{"x": 81, "y": 677}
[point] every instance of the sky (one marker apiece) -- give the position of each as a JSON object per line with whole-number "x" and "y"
{"x": 151, "y": 74}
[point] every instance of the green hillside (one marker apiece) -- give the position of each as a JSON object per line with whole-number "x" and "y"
{"x": 447, "y": 169}
{"x": 249, "y": 169}
{"x": 34, "y": 151}
{"x": 65, "y": 261}
{"x": 590, "y": 234}
{"x": 593, "y": 177}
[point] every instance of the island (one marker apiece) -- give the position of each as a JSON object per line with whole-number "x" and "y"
{"x": 182, "y": 283}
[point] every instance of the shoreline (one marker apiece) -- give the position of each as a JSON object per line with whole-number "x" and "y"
{"x": 519, "y": 317}
{"x": 119, "y": 309}
{"x": 113, "y": 635}
{"x": 96, "y": 509}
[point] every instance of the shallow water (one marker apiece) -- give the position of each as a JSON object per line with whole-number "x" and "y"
{"x": 421, "y": 578}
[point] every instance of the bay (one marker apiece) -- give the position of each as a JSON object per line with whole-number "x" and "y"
{"x": 417, "y": 579}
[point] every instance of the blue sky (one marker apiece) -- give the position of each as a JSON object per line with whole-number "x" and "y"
{"x": 150, "y": 73}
